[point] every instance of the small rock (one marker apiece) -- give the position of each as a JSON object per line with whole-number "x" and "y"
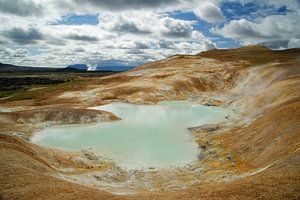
{"x": 90, "y": 155}
{"x": 205, "y": 127}
{"x": 203, "y": 147}
{"x": 229, "y": 157}
{"x": 200, "y": 156}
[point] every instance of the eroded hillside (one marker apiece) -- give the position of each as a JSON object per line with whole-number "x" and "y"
{"x": 256, "y": 156}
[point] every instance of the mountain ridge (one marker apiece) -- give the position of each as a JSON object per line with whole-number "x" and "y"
{"x": 10, "y": 68}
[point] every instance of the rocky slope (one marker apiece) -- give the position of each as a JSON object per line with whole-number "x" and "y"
{"x": 254, "y": 157}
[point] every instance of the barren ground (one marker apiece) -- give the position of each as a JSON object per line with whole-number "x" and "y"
{"x": 254, "y": 157}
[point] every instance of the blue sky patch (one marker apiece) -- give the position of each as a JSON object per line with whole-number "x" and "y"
{"x": 183, "y": 15}
{"x": 250, "y": 11}
{"x": 205, "y": 29}
{"x": 73, "y": 19}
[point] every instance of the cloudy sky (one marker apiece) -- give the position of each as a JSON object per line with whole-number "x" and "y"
{"x": 56, "y": 33}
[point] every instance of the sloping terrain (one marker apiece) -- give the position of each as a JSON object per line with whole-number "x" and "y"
{"x": 254, "y": 157}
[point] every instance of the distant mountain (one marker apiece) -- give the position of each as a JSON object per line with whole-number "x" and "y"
{"x": 115, "y": 68}
{"x": 14, "y": 68}
{"x": 78, "y": 66}
{"x": 8, "y": 68}
{"x": 100, "y": 68}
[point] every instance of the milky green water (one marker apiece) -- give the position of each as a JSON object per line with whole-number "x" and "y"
{"x": 147, "y": 136}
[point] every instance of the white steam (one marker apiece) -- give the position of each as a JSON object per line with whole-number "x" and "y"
{"x": 91, "y": 67}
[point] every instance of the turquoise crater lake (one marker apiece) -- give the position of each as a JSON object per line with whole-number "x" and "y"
{"x": 147, "y": 136}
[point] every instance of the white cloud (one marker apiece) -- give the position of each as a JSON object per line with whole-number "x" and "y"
{"x": 177, "y": 28}
{"x": 294, "y": 43}
{"x": 129, "y": 30}
{"x": 30, "y": 35}
{"x": 123, "y": 22}
{"x": 21, "y": 8}
{"x": 126, "y": 4}
{"x": 209, "y": 11}
{"x": 292, "y": 4}
{"x": 127, "y": 34}
{"x": 273, "y": 28}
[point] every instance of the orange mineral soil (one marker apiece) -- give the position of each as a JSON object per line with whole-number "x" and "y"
{"x": 256, "y": 156}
